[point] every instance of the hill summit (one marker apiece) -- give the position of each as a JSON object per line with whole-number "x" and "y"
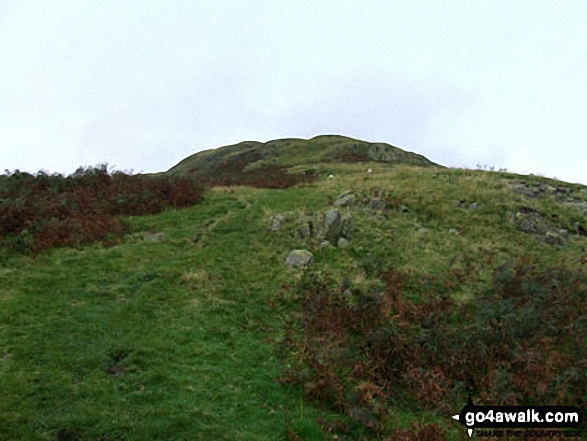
{"x": 252, "y": 155}
{"x": 246, "y": 295}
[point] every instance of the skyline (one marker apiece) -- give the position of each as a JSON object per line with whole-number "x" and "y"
{"x": 142, "y": 86}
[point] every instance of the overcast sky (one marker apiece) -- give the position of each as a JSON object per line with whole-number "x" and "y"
{"x": 141, "y": 84}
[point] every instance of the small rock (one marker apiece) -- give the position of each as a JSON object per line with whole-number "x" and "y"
{"x": 156, "y": 237}
{"x": 347, "y": 226}
{"x": 342, "y": 243}
{"x": 299, "y": 258}
{"x": 377, "y": 204}
{"x": 525, "y": 189}
{"x": 466, "y": 205}
{"x": 306, "y": 218}
{"x": 345, "y": 199}
{"x": 453, "y": 231}
{"x": 325, "y": 244}
{"x": 304, "y": 231}
{"x": 308, "y": 226}
{"x": 403, "y": 208}
{"x": 423, "y": 230}
{"x": 277, "y": 221}
{"x": 332, "y": 225}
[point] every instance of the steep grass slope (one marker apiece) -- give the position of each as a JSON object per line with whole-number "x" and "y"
{"x": 182, "y": 337}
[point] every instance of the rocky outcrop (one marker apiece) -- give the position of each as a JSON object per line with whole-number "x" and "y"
{"x": 387, "y": 153}
{"x": 568, "y": 196}
{"x": 532, "y": 191}
{"x": 331, "y": 226}
{"x": 336, "y": 223}
{"x": 546, "y": 230}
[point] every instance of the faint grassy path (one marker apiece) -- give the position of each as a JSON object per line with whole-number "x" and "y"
{"x": 123, "y": 343}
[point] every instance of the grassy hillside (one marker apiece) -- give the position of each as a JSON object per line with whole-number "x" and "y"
{"x": 251, "y": 155}
{"x": 204, "y": 332}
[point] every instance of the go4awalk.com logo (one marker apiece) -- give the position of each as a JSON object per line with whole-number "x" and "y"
{"x": 510, "y": 419}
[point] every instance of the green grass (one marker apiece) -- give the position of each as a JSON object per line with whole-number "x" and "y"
{"x": 103, "y": 343}
{"x": 178, "y": 339}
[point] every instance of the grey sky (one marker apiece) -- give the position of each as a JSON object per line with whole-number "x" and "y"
{"x": 143, "y": 84}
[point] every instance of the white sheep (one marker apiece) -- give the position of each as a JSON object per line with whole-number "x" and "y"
{"x": 330, "y": 176}
{"x": 369, "y": 171}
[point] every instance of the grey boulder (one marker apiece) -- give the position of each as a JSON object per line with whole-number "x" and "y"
{"x": 377, "y": 204}
{"x": 299, "y": 258}
{"x": 332, "y": 225}
{"x": 345, "y": 199}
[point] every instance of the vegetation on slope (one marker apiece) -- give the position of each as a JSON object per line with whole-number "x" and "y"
{"x": 207, "y": 334}
{"x": 43, "y": 211}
